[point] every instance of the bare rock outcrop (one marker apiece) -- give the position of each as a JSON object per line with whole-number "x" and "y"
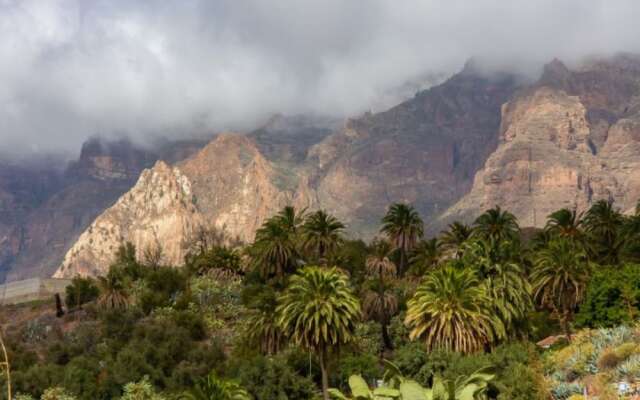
{"x": 227, "y": 184}
{"x": 158, "y": 211}
{"x": 567, "y": 141}
{"x": 235, "y": 187}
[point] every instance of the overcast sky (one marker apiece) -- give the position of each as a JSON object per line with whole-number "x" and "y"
{"x": 72, "y": 69}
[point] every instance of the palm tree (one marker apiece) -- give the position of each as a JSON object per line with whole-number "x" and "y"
{"x": 453, "y": 238}
{"x": 452, "y": 310}
{"x": 630, "y": 233}
{"x": 560, "y": 278}
{"x": 504, "y": 279}
{"x": 274, "y": 250}
{"x": 322, "y": 233}
{"x": 262, "y": 323}
{"x": 290, "y": 219}
{"x": 263, "y": 329}
{"x": 113, "y": 294}
{"x": 403, "y": 226}
{"x": 565, "y": 222}
{"x": 378, "y": 262}
{"x": 380, "y": 303}
{"x": 425, "y": 256}
{"x": 496, "y": 224}
{"x": 318, "y": 311}
{"x": 213, "y": 388}
{"x": 603, "y": 223}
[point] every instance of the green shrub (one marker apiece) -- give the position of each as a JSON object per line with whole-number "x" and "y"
{"x": 271, "y": 378}
{"x": 364, "y": 364}
{"x": 612, "y": 298}
{"x": 81, "y": 291}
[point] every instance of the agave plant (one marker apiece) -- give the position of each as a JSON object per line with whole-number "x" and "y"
{"x": 361, "y": 391}
{"x": 630, "y": 368}
{"x": 473, "y": 387}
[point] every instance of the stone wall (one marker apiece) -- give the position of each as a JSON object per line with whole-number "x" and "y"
{"x": 31, "y": 290}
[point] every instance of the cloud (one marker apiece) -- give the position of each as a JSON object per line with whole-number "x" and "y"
{"x": 71, "y": 69}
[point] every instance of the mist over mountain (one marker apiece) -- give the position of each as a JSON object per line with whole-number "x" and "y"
{"x": 74, "y": 69}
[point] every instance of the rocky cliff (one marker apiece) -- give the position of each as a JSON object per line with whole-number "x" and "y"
{"x": 45, "y": 207}
{"x": 566, "y": 141}
{"x": 454, "y": 150}
{"x": 157, "y": 214}
{"x": 228, "y": 184}
{"x": 424, "y": 151}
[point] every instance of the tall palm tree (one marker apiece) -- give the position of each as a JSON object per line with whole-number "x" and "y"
{"x": 213, "y": 388}
{"x": 290, "y": 219}
{"x": 566, "y": 223}
{"x": 630, "y": 233}
{"x": 380, "y": 303}
{"x": 560, "y": 278}
{"x": 403, "y": 226}
{"x": 378, "y": 263}
{"x": 453, "y": 238}
{"x": 603, "y": 223}
{"x": 318, "y": 311}
{"x": 113, "y": 294}
{"x": 322, "y": 233}
{"x": 262, "y": 327}
{"x": 496, "y": 224}
{"x": 504, "y": 278}
{"x": 274, "y": 250}
{"x": 452, "y": 310}
{"x": 425, "y": 256}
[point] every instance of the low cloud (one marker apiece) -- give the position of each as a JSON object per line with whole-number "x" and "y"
{"x": 73, "y": 69}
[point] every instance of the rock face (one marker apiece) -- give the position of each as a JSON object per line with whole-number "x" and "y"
{"x": 424, "y": 151}
{"x": 157, "y": 213}
{"x": 23, "y": 188}
{"x": 453, "y": 151}
{"x": 43, "y": 210}
{"x": 570, "y": 139}
{"x": 228, "y": 183}
{"x": 234, "y": 185}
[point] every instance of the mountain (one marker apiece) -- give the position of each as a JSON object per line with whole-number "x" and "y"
{"x": 44, "y": 209}
{"x": 473, "y": 142}
{"x": 569, "y": 139}
{"x": 426, "y": 151}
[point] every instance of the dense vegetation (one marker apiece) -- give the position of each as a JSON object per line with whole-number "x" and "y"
{"x": 303, "y": 308}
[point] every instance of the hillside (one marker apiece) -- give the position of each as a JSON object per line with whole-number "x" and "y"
{"x": 45, "y": 206}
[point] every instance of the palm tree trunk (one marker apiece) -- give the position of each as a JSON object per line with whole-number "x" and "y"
{"x": 402, "y": 256}
{"x": 565, "y": 325}
{"x": 386, "y": 340}
{"x": 325, "y": 376}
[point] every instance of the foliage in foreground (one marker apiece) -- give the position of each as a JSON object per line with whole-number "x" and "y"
{"x": 261, "y": 321}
